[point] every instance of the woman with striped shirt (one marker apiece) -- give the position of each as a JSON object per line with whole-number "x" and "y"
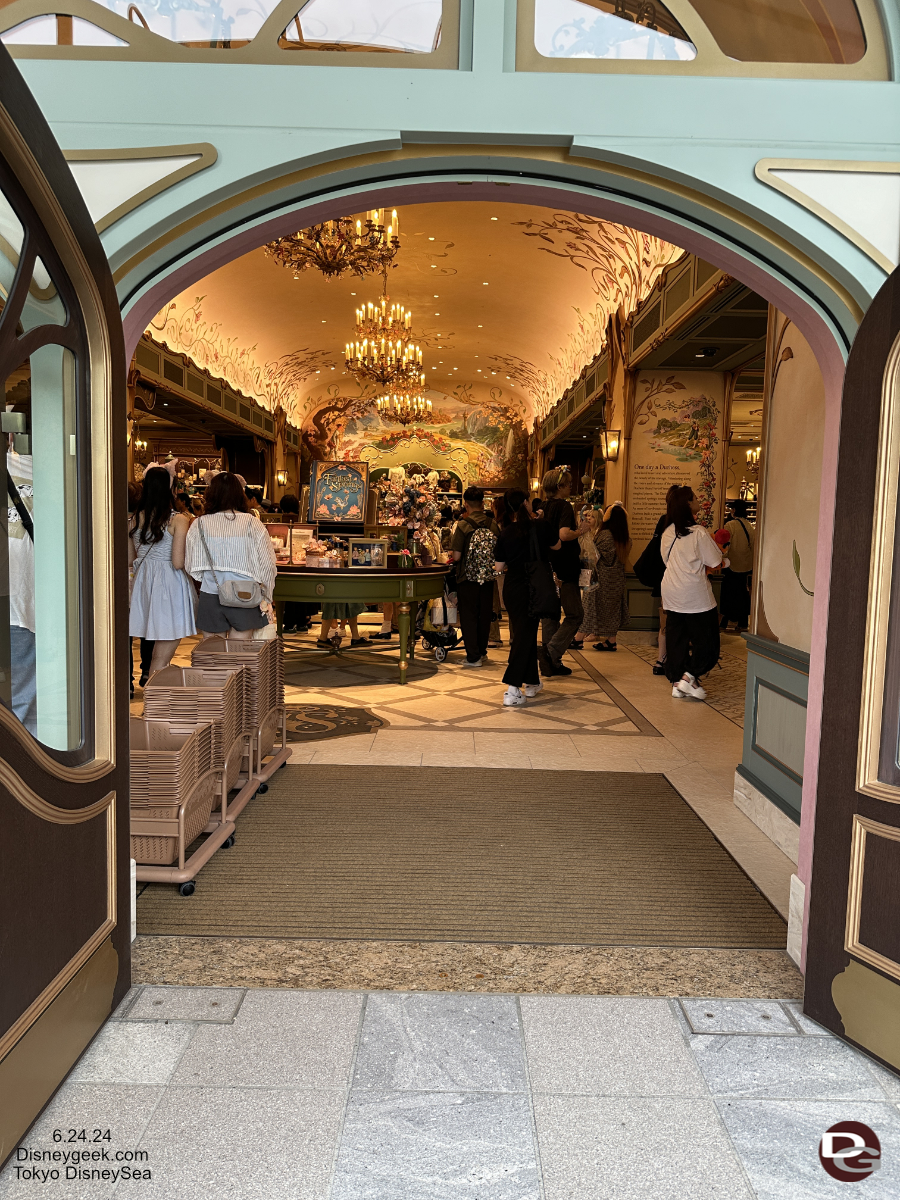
{"x": 236, "y": 547}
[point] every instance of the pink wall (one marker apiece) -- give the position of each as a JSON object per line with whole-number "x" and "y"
{"x": 810, "y": 323}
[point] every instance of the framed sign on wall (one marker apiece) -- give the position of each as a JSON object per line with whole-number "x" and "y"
{"x": 337, "y": 492}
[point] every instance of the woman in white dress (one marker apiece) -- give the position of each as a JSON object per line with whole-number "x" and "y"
{"x": 228, "y": 544}
{"x": 162, "y": 596}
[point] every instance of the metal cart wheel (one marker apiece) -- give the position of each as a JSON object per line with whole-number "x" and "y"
{"x": 186, "y": 889}
{"x": 262, "y": 789}
{"x": 228, "y": 843}
{"x": 440, "y": 653}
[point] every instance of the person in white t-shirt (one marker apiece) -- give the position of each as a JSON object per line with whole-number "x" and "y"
{"x": 692, "y": 619}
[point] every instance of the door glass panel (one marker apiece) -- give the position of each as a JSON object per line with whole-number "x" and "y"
{"x": 407, "y": 26}
{"x": 42, "y": 676}
{"x": 810, "y": 31}
{"x": 623, "y": 29}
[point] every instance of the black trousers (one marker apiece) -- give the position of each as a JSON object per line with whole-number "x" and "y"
{"x": 735, "y": 599}
{"x": 475, "y": 602}
{"x": 523, "y": 630}
{"x": 692, "y": 643}
{"x": 556, "y": 636}
{"x": 146, "y": 656}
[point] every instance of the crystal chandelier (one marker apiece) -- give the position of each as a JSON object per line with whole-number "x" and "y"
{"x": 377, "y": 321}
{"x": 342, "y": 246}
{"x": 403, "y": 407}
{"x": 390, "y": 364}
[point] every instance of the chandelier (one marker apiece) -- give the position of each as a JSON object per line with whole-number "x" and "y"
{"x": 390, "y": 364}
{"x": 341, "y": 246}
{"x": 376, "y": 321}
{"x": 403, "y": 407}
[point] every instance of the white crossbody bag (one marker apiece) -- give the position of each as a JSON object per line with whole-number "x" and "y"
{"x": 233, "y": 593}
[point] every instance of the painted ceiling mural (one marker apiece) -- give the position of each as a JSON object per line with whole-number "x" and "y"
{"x": 510, "y": 303}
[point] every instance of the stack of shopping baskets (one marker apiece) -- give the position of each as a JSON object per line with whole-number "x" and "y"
{"x": 216, "y": 695}
{"x": 264, "y": 712}
{"x": 174, "y": 786}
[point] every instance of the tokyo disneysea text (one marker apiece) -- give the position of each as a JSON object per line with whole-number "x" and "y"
{"x": 71, "y": 1164}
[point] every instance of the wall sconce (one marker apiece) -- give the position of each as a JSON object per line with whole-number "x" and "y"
{"x": 609, "y": 444}
{"x": 281, "y": 478}
{"x": 535, "y": 484}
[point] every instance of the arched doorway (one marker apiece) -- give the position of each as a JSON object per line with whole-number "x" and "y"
{"x": 820, "y": 307}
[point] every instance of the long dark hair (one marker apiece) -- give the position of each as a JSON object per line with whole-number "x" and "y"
{"x": 516, "y": 510}
{"x": 678, "y": 509}
{"x": 225, "y": 494}
{"x": 501, "y": 515}
{"x": 617, "y": 524}
{"x": 153, "y": 510}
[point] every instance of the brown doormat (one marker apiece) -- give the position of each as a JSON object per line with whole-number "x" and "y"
{"x": 316, "y": 722}
{"x": 471, "y": 854}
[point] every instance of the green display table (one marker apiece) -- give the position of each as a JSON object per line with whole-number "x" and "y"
{"x": 403, "y": 588}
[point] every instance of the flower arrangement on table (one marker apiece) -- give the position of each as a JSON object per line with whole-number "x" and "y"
{"x": 403, "y": 504}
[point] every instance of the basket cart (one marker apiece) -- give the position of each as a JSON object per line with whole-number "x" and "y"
{"x": 216, "y": 695}
{"x": 174, "y": 787}
{"x": 263, "y": 703}
{"x": 443, "y": 636}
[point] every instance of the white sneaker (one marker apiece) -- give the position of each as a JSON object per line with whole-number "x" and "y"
{"x": 532, "y": 689}
{"x": 677, "y": 693}
{"x": 476, "y": 663}
{"x": 689, "y": 686}
{"x": 512, "y": 696}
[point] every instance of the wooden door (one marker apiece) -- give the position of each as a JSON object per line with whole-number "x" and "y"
{"x": 853, "y": 944}
{"x": 64, "y": 849}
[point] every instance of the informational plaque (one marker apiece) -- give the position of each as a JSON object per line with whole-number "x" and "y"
{"x": 647, "y": 494}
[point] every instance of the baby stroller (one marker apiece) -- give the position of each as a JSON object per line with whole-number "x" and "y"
{"x": 437, "y": 630}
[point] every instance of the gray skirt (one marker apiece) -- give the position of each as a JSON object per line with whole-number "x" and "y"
{"x": 213, "y": 617}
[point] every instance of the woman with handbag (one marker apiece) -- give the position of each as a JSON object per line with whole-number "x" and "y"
{"x": 162, "y": 598}
{"x": 692, "y": 624}
{"x": 229, "y": 551}
{"x": 523, "y": 548}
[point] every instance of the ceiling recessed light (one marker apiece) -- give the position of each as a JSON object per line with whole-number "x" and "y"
{"x": 353, "y": 293}
{"x": 323, "y": 322}
{"x": 433, "y": 266}
{"x": 484, "y": 284}
{"x": 495, "y": 218}
{"x": 436, "y": 296}
{"x": 431, "y": 239}
{"x": 437, "y": 315}
{"x": 481, "y": 327}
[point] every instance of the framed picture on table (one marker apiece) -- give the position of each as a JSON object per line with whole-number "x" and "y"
{"x": 367, "y": 554}
{"x": 338, "y": 492}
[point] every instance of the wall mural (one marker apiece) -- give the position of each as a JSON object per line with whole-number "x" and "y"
{"x": 676, "y": 438}
{"x": 480, "y": 439}
{"x": 272, "y": 384}
{"x": 623, "y": 265}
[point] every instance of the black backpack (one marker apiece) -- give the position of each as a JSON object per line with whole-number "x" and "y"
{"x": 650, "y": 567}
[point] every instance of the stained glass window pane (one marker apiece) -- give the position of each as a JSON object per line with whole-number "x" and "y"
{"x": 609, "y": 29}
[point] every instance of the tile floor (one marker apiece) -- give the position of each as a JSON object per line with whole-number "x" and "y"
{"x": 329, "y": 1095}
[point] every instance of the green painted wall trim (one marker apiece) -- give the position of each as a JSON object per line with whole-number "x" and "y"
{"x": 797, "y": 659}
{"x": 770, "y": 794}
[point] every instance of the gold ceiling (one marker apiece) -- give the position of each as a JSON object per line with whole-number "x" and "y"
{"x": 503, "y": 296}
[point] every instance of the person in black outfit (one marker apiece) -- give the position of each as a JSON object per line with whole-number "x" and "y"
{"x": 475, "y": 598}
{"x": 566, "y": 561}
{"x": 516, "y": 547}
